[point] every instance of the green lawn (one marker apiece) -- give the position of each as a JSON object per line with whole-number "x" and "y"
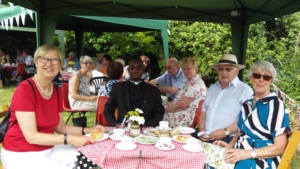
{"x": 7, "y": 91}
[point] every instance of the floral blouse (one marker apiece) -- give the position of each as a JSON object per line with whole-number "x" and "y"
{"x": 105, "y": 90}
{"x": 194, "y": 88}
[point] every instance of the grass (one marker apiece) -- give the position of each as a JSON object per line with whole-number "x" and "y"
{"x": 7, "y": 91}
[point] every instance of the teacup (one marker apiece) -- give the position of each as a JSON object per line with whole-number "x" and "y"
{"x": 163, "y": 125}
{"x": 164, "y": 142}
{"x": 13, "y": 64}
{"x": 192, "y": 144}
{"x": 118, "y": 132}
{"x": 127, "y": 141}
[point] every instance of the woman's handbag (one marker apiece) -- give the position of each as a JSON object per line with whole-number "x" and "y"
{"x": 4, "y": 125}
{"x": 80, "y": 120}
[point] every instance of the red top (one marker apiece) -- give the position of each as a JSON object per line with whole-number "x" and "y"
{"x": 46, "y": 112}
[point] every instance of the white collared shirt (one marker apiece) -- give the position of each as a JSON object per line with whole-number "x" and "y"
{"x": 222, "y": 106}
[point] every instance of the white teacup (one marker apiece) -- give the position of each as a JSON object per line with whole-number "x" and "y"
{"x": 127, "y": 141}
{"x": 164, "y": 142}
{"x": 13, "y": 64}
{"x": 118, "y": 132}
{"x": 163, "y": 124}
{"x": 192, "y": 144}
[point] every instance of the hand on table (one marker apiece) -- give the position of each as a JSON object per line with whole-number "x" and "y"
{"x": 217, "y": 134}
{"x": 79, "y": 140}
{"x": 96, "y": 128}
{"x": 93, "y": 97}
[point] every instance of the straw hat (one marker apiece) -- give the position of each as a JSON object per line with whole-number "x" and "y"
{"x": 228, "y": 59}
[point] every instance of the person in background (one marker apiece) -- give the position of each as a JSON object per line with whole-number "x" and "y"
{"x": 132, "y": 94}
{"x": 146, "y": 62}
{"x": 263, "y": 124}
{"x": 71, "y": 57}
{"x": 38, "y": 137}
{"x": 28, "y": 57}
{"x": 173, "y": 78}
{"x": 94, "y": 73}
{"x": 105, "y": 61}
{"x": 79, "y": 87}
{"x": 99, "y": 61}
{"x": 185, "y": 104}
{"x": 223, "y": 102}
{"x": 20, "y": 58}
{"x": 119, "y": 59}
{"x": 114, "y": 72}
{"x": 4, "y": 57}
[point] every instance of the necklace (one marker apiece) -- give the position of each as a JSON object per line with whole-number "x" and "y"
{"x": 42, "y": 88}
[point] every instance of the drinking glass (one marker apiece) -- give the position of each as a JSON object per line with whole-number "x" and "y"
{"x": 120, "y": 126}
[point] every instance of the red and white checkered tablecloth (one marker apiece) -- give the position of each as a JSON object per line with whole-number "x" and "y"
{"x": 105, "y": 155}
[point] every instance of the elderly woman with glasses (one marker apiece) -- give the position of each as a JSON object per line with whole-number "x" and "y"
{"x": 80, "y": 97}
{"x": 37, "y": 136}
{"x": 263, "y": 124}
{"x": 184, "y": 106}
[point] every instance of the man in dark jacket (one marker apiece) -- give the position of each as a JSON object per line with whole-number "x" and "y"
{"x": 132, "y": 94}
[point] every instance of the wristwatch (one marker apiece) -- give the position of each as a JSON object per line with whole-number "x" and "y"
{"x": 226, "y": 132}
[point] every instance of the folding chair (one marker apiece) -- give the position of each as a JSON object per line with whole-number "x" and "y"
{"x": 31, "y": 70}
{"x": 66, "y": 103}
{"x": 99, "y": 81}
{"x": 289, "y": 150}
{"x": 100, "y": 118}
{"x": 21, "y": 73}
{"x": 197, "y": 114}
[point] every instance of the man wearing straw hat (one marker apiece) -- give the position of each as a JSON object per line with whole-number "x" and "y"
{"x": 220, "y": 110}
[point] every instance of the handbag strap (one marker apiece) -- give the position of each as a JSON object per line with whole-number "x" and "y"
{"x": 8, "y": 111}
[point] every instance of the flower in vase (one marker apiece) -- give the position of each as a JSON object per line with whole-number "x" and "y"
{"x": 134, "y": 117}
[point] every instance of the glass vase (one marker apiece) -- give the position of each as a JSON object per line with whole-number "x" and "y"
{"x": 134, "y": 130}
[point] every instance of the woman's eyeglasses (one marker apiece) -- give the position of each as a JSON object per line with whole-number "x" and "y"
{"x": 258, "y": 76}
{"x": 44, "y": 60}
{"x": 87, "y": 63}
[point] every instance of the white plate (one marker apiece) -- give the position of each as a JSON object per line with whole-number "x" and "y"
{"x": 109, "y": 132}
{"x": 120, "y": 147}
{"x": 165, "y": 148}
{"x": 169, "y": 128}
{"x": 175, "y": 139}
{"x": 113, "y": 137}
{"x": 194, "y": 150}
{"x": 148, "y": 132}
{"x": 105, "y": 136}
{"x": 186, "y": 130}
{"x": 142, "y": 139}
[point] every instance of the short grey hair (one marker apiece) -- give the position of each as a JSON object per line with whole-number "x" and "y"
{"x": 72, "y": 54}
{"x": 87, "y": 58}
{"x": 264, "y": 66}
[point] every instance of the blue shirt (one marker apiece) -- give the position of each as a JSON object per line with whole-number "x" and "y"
{"x": 75, "y": 66}
{"x": 178, "y": 80}
{"x": 222, "y": 106}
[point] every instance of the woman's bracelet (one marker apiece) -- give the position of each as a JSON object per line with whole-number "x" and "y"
{"x": 253, "y": 153}
{"x": 82, "y": 131}
{"x": 65, "y": 139}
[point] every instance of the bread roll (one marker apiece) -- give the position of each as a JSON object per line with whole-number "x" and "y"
{"x": 96, "y": 135}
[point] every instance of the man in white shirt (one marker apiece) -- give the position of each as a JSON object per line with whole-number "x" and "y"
{"x": 221, "y": 108}
{"x": 28, "y": 58}
{"x": 99, "y": 61}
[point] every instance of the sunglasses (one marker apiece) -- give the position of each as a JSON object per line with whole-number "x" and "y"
{"x": 258, "y": 76}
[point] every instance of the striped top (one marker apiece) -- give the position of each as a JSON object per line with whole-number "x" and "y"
{"x": 259, "y": 124}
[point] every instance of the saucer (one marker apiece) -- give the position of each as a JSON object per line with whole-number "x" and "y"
{"x": 169, "y": 128}
{"x": 113, "y": 137}
{"x": 194, "y": 150}
{"x": 186, "y": 130}
{"x": 165, "y": 148}
{"x": 119, "y": 146}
